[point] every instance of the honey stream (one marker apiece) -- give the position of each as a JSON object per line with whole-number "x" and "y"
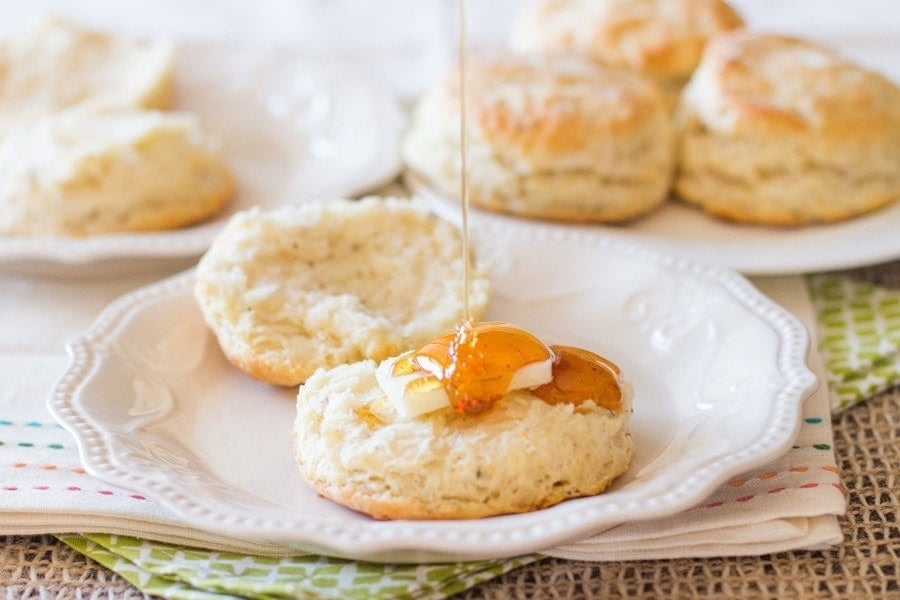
{"x": 463, "y": 164}
{"x": 475, "y": 362}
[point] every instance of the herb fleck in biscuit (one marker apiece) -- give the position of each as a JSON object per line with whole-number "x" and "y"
{"x": 317, "y": 285}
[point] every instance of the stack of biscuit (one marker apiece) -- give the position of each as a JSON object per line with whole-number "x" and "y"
{"x": 769, "y": 130}
{"x": 85, "y": 148}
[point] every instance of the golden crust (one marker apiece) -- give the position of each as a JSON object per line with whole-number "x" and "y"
{"x": 418, "y": 510}
{"x": 543, "y": 106}
{"x": 660, "y": 38}
{"x": 771, "y": 84}
{"x": 775, "y": 215}
{"x": 162, "y": 95}
{"x": 566, "y": 214}
{"x": 173, "y": 217}
{"x": 560, "y": 138}
{"x": 778, "y": 131}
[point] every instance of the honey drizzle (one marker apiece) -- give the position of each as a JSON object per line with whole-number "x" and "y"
{"x": 475, "y": 362}
{"x": 463, "y": 165}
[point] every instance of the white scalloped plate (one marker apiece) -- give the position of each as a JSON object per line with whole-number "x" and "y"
{"x": 718, "y": 371}
{"x": 754, "y": 250}
{"x": 293, "y": 129}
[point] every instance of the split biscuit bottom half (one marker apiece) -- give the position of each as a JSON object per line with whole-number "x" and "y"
{"x": 524, "y": 454}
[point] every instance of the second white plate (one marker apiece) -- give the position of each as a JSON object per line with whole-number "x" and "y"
{"x": 293, "y": 130}
{"x": 718, "y": 372}
{"x": 679, "y": 229}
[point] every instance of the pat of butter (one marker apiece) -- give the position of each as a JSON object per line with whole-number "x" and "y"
{"x": 410, "y": 404}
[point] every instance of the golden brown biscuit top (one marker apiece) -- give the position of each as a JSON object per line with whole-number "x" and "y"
{"x": 660, "y": 38}
{"x": 765, "y": 82}
{"x": 554, "y": 105}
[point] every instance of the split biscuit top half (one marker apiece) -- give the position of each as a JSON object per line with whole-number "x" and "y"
{"x": 314, "y": 286}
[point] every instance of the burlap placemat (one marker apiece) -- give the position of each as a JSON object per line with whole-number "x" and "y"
{"x": 866, "y": 441}
{"x": 863, "y": 566}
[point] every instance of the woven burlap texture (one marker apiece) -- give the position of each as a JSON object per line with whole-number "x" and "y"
{"x": 867, "y": 438}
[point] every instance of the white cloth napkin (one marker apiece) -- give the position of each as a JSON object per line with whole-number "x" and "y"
{"x": 43, "y": 489}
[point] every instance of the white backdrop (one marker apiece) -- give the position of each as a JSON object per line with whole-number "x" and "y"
{"x": 411, "y": 41}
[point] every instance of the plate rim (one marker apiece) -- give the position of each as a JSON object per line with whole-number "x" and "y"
{"x": 433, "y": 197}
{"x": 193, "y": 240}
{"x": 571, "y": 520}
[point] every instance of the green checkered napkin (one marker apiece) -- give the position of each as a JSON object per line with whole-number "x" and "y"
{"x": 859, "y": 337}
{"x": 859, "y": 333}
{"x": 194, "y": 574}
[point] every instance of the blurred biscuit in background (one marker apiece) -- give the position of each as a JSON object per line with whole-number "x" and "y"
{"x": 57, "y": 65}
{"x": 780, "y": 131}
{"x": 559, "y": 138}
{"x": 79, "y": 174}
{"x": 661, "y": 39}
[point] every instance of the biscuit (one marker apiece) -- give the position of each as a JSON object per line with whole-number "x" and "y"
{"x": 57, "y": 65}
{"x": 524, "y": 454}
{"x": 549, "y": 137}
{"x": 779, "y": 131}
{"x": 79, "y": 174}
{"x": 317, "y": 285}
{"x": 661, "y": 39}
